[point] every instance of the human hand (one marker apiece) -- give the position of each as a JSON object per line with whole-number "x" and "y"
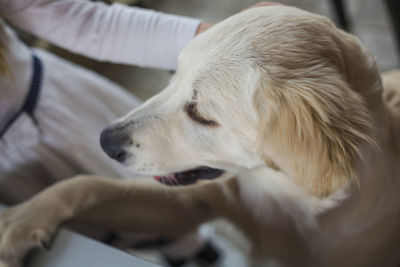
{"x": 203, "y": 26}
{"x": 265, "y": 3}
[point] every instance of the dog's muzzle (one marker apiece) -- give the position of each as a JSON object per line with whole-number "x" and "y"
{"x": 114, "y": 140}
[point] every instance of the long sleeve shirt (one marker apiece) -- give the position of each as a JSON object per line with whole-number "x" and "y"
{"x": 114, "y": 33}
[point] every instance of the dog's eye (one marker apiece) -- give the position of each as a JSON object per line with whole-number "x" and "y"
{"x": 193, "y": 113}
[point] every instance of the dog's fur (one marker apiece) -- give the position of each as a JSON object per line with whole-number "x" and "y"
{"x": 293, "y": 109}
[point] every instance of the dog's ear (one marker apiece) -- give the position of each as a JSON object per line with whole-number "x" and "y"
{"x": 315, "y": 111}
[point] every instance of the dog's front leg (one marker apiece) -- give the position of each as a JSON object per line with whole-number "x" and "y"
{"x": 137, "y": 205}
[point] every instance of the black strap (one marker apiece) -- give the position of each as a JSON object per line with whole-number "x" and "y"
{"x": 33, "y": 95}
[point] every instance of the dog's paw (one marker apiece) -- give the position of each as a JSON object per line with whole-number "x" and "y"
{"x": 21, "y": 230}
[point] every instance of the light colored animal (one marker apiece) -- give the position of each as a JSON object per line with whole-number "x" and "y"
{"x": 292, "y": 109}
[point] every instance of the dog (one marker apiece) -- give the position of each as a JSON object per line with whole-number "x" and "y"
{"x": 275, "y": 120}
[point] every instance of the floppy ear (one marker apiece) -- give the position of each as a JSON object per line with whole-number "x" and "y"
{"x": 314, "y": 113}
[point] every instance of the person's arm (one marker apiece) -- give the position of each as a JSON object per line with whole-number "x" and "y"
{"x": 115, "y": 33}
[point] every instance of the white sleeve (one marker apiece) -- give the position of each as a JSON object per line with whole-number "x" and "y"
{"x": 115, "y": 33}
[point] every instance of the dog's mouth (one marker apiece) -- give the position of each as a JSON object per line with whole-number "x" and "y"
{"x": 190, "y": 176}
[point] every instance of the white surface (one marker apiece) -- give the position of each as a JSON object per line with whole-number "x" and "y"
{"x": 72, "y": 250}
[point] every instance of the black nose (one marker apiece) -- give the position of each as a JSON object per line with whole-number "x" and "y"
{"x": 113, "y": 141}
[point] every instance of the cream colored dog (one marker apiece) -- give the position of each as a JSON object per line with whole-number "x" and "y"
{"x": 288, "y": 110}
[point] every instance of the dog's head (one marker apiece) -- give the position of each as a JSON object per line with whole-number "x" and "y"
{"x": 272, "y": 86}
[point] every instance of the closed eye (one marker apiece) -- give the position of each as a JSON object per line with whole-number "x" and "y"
{"x": 193, "y": 113}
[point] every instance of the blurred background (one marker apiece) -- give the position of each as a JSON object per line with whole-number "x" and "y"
{"x": 367, "y": 19}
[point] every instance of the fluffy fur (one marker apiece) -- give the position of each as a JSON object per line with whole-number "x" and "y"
{"x": 292, "y": 108}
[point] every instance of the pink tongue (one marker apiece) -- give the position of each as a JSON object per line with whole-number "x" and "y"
{"x": 169, "y": 176}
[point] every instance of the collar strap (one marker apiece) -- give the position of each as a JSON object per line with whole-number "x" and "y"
{"x": 32, "y": 97}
